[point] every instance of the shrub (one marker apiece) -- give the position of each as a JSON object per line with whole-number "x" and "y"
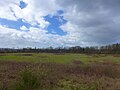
{"x": 29, "y": 81}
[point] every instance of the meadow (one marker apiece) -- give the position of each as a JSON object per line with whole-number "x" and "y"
{"x": 56, "y": 71}
{"x": 58, "y": 58}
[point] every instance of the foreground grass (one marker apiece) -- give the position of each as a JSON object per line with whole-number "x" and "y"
{"x": 42, "y": 71}
{"x": 55, "y": 76}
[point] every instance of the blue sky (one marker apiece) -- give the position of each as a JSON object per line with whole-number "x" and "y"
{"x": 53, "y": 28}
{"x": 55, "y": 23}
{"x": 22, "y": 5}
{"x": 44, "y": 23}
{"x": 14, "y": 24}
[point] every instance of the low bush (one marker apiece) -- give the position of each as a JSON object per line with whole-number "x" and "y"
{"x": 29, "y": 81}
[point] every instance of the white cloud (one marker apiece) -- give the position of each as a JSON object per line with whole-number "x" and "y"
{"x": 33, "y": 13}
{"x": 92, "y": 22}
{"x": 5, "y": 9}
{"x": 23, "y": 28}
{"x": 89, "y": 23}
{"x": 34, "y": 37}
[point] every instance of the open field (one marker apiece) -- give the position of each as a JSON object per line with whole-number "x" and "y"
{"x": 58, "y": 58}
{"x": 30, "y": 71}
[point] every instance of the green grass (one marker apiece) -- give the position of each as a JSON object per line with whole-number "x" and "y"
{"x": 65, "y": 58}
{"x": 37, "y": 71}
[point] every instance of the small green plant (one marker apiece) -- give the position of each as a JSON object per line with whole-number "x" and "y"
{"x": 29, "y": 81}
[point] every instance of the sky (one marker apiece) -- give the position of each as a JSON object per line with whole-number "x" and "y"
{"x": 59, "y": 23}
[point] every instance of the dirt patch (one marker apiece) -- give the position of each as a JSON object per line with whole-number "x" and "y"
{"x": 116, "y": 55}
{"x": 59, "y": 53}
{"x": 107, "y": 63}
{"x": 24, "y": 54}
{"x": 77, "y": 62}
{"x": 1, "y": 54}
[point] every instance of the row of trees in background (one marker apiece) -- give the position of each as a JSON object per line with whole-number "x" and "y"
{"x": 108, "y": 49}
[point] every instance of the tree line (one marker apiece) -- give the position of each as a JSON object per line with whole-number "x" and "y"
{"x": 108, "y": 49}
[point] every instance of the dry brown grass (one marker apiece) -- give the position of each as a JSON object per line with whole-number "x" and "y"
{"x": 95, "y": 76}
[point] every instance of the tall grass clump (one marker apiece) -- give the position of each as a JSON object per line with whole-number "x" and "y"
{"x": 29, "y": 81}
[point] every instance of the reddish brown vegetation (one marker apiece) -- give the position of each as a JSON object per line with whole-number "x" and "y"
{"x": 77, "y": 62}
{"x": 104, "y": 76}
{"x": 117, "y": 55}
{"x": 24, "y": 54}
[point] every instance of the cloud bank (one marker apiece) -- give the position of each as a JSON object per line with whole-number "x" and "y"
{"x": 89, "y": 23}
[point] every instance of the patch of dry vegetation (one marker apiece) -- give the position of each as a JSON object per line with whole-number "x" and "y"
{"x": 53, "y": 76}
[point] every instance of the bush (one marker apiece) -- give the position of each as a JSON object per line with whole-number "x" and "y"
{"x": 29, "y": 81}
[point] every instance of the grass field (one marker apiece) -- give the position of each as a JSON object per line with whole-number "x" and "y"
{"x": 43, "y": 71}
{"x": 58, "y": 58}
